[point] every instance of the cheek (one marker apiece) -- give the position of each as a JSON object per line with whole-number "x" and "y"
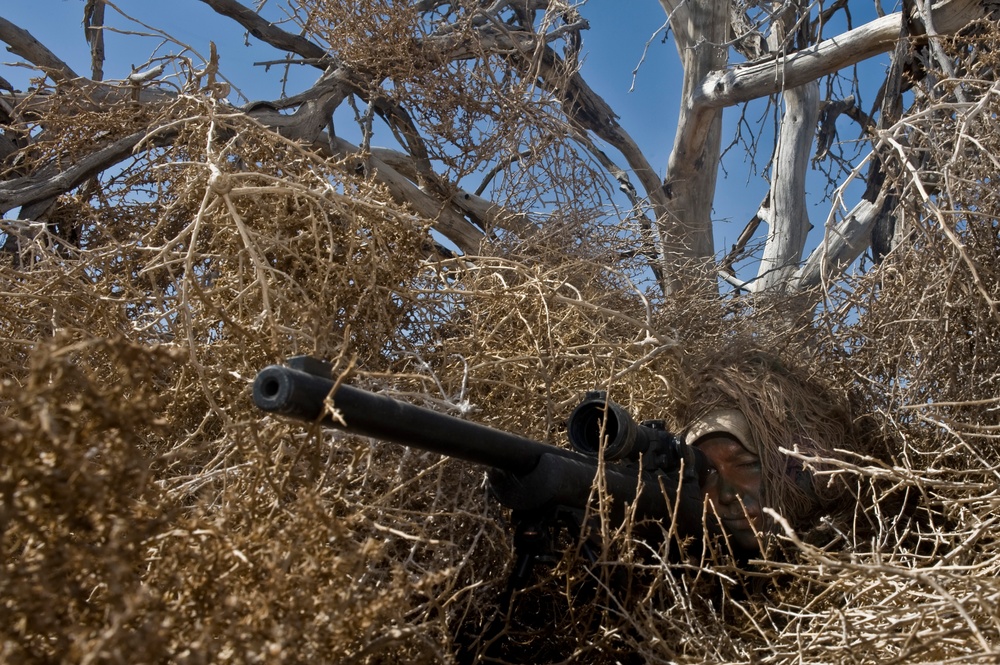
{"x": 710, "y": 489}
{"x": 717, "y": 496}
{"x": 750, "y": 486}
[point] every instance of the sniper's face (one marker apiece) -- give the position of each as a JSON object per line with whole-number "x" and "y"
{"x": 733, "y": 486}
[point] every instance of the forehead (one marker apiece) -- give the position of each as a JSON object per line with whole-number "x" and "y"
{"x": 722, "y": 446}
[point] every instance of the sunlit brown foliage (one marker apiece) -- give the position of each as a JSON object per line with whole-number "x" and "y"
{"x": 148, "y": 513}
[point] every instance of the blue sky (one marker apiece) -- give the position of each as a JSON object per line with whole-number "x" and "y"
{"x": 613, "y": 47}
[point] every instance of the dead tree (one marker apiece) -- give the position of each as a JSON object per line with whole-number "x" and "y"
{"x": 491, "y": 92}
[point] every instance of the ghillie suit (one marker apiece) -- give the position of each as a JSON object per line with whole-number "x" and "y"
{"x": 783, "y": 412}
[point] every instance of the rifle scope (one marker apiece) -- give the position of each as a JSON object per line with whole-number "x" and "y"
{"x": 597, "y": 419}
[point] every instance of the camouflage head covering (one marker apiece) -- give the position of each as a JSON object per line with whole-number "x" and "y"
{"x": 722, "y": 421}
{"x": 769, "y": 407}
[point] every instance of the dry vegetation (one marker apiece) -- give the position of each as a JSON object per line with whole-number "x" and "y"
{"x": 148, "y": 513}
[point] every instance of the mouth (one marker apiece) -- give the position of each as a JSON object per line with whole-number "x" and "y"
{"x": 737, "y": 524}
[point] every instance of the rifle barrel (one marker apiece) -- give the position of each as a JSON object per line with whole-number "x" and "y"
{"x": 301, "y": 395}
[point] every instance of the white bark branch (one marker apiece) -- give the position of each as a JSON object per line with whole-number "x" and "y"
{"x": 760, "y": 79}
{"x": 844, "y": 242}
{"x": 789, "y": 221}
{"x": 684, "y": 221}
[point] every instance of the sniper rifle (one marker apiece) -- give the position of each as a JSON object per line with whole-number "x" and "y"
{"x": 647, "y": 472}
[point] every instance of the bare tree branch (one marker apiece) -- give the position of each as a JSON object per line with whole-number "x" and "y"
{"x": 487, "y": 214}
{"x": 760, "y": 79}
{"x": 268, "y": 32}
{"x": 21, "y": 43}
{"x": 788, "y": 220}
{"x": 93, "y": 25}
{"x": 514, "y": 43}
{"x": 788, "y": 223}
{"x": 453, "y": 225}
{"x": 49, "y": 183}
{"x": 843, "y": 243}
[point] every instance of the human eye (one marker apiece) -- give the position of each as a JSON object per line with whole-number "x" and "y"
{"x": 709, "y": 476}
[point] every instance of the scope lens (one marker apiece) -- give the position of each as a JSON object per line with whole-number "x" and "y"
{"x": 585, "y": 428}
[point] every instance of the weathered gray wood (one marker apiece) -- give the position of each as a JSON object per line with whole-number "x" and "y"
{"x": 22, "y": 43}
{"x": 446, "y": 220}
{"x": 684, "y": 220}
{"x": 681, "y": 202}
{"x": 769, "y": 76}
{"x": 842, "y": 244}
{"x": 789, "y": 219}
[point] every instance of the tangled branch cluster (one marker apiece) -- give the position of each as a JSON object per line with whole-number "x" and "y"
{"x": 148, "y": 512}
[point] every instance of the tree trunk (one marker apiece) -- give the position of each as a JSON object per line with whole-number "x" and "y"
{"x": 684, "y": 220}
{"x": 788, "y": 219}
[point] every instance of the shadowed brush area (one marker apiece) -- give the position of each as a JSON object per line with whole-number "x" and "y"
{"x": 148, "y": 513}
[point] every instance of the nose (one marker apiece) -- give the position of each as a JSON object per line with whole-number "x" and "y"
{"x": 727, "y": 492}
